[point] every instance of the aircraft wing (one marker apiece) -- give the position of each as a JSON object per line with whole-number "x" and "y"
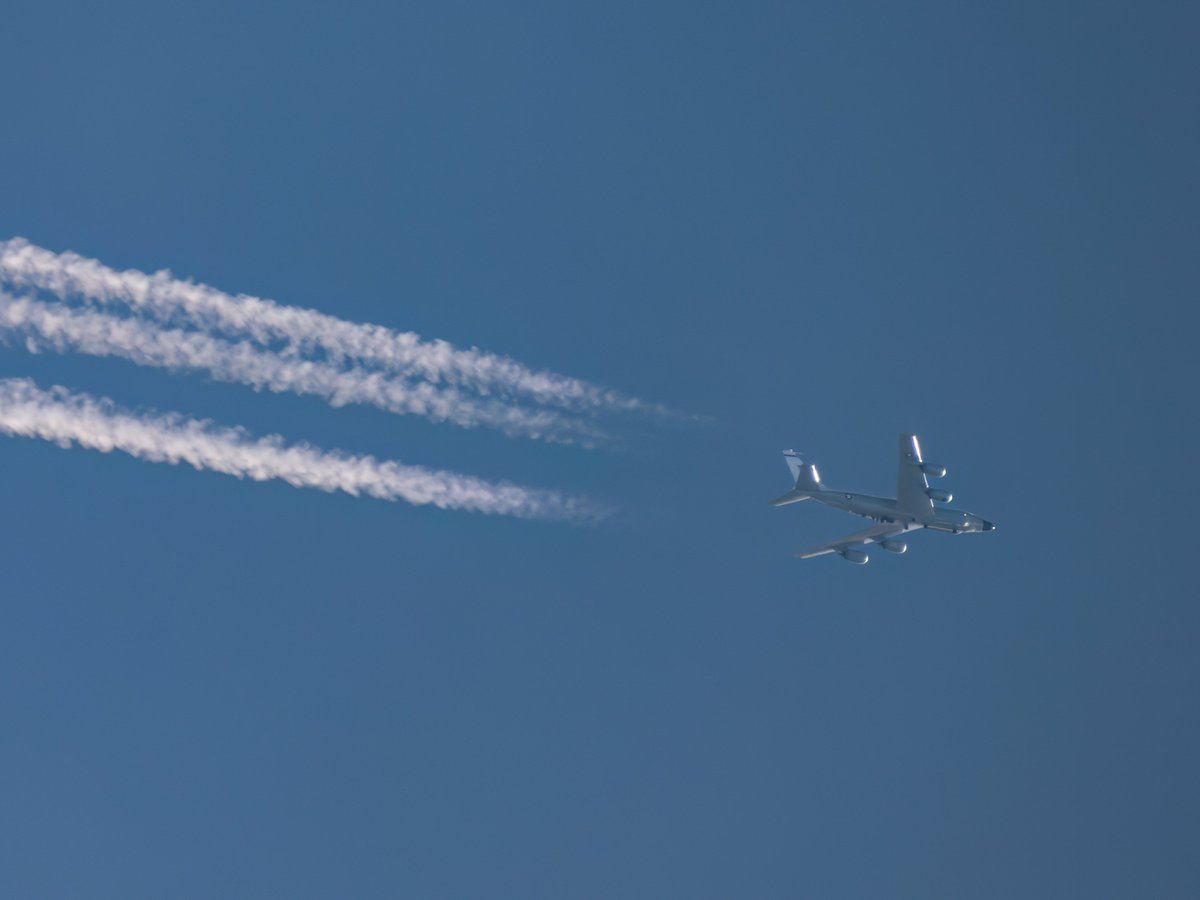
{"x": 872, "y": 535}
{"x": 911, "y": 483}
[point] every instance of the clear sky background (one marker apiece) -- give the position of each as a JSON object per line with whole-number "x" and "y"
{"x": 817, "y": 224}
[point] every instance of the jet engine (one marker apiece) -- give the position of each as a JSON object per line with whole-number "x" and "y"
{"x": 933, "y": 470}
{"x": 894, "y": 546}
{"x": 855, "y": 556}
{"x": 940, "y": 496}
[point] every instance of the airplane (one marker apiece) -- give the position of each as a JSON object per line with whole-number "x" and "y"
{"x": 913, "y": 507}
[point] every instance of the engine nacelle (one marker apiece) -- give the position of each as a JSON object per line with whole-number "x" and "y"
{"x": 933, "y": 470}
{"x": 939, "y": 496}
{"x": 855, "y": 556}
{"x": 894, "y": 546}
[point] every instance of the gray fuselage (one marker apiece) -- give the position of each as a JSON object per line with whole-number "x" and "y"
{"x": 883, "y": 509}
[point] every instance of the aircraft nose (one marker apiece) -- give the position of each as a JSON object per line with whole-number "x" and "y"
{"x": 989, "y": 526}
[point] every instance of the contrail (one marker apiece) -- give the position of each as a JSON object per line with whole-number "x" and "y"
{"x": 98, "y": 333}
{"x": 302, "y": 331}
{"x": 71, "y": 418}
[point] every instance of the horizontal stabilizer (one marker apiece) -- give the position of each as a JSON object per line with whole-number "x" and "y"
{"x": 790, "y": 497}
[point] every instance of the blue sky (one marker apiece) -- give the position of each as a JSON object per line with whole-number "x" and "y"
{"x": 817, "y": 226}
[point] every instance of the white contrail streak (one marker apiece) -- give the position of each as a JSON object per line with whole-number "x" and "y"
{"x": 171, "y": 300}
{"x": 71, "y": 418}
{"x": 97, "y": 333}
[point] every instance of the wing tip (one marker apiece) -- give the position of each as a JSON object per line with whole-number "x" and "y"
{"x": 812, "y": 554}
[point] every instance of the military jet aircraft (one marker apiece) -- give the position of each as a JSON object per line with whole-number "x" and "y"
{"x": 913, "y": 507}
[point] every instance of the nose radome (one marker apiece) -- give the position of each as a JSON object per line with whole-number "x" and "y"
{"x": 989, "y": 526}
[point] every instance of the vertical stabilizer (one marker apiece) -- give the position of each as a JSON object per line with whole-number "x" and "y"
{"x": 808, "y": 479}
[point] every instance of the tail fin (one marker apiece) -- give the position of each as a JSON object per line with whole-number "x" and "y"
{"x": 808, "y": 479}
